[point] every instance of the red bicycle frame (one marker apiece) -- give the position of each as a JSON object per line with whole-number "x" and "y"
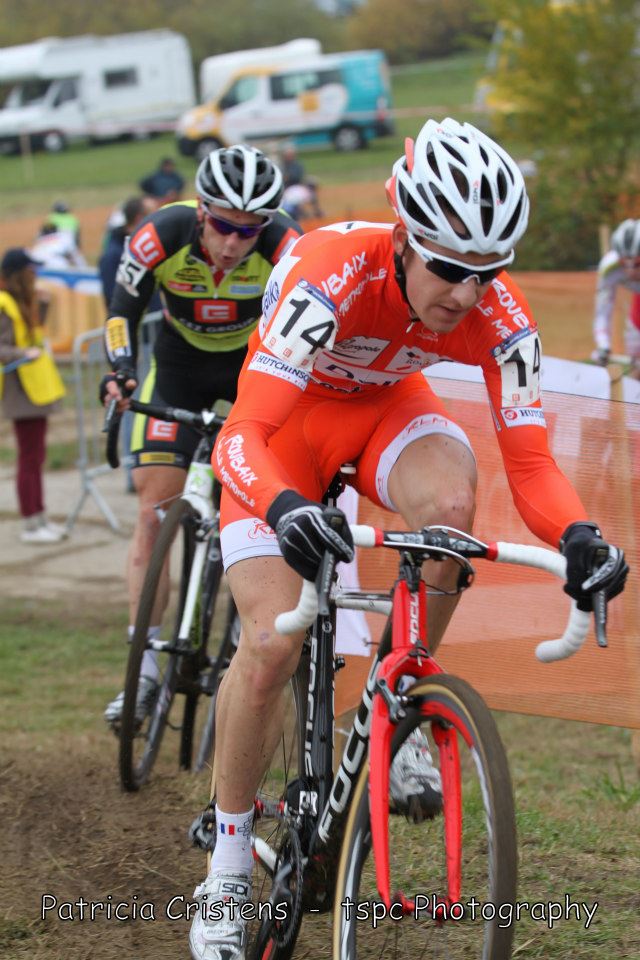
{"x": 409, "y": 657}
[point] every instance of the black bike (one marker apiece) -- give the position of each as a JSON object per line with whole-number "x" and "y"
{"x": 185, "y": 595}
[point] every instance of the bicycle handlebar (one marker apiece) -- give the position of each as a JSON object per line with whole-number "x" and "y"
{"x": 500, "y": 552}
{"x": 578, "y": 624}
{"x": 205, "y": 420}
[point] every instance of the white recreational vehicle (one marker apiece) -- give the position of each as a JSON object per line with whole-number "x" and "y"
{"x": 93, "y": 87}
{"x": 216, "y": 71}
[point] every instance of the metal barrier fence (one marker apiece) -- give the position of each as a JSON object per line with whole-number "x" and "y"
{"x": 89, "y": 365}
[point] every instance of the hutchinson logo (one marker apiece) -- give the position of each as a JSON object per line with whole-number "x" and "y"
{"x": 523, "y": 417}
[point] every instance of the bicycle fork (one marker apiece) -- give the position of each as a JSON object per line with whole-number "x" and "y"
{"x": 409, "y": 657}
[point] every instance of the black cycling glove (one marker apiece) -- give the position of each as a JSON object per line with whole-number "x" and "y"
{"x": 120, "y": 377}
{"x": 592, "y": 564}
{"x": 305, "y": 533}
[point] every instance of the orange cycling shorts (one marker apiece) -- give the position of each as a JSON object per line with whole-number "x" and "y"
{"x": 322, "y": 433}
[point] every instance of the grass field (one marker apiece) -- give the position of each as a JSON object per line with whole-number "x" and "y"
{"x": 93, "y": 176}
{"x": 577, "y": 796}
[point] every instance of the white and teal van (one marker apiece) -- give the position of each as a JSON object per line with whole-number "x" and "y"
{"x": 339, "y": 98}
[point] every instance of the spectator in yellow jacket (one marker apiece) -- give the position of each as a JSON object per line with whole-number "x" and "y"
{"x": 30, "y": 386}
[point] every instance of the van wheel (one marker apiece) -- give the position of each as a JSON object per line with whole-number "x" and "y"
{"x": 54, "y": 141}
{"x": 348, "y": 138}
{"x": 204, "y": 148}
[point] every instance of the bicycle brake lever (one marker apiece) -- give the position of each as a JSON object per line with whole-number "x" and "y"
{"x": 324, "y": 580}
{"x": 109, "y": 415}
{"x": 600, "y": 617}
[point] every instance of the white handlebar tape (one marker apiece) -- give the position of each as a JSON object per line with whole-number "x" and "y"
{"x": 529, "y": 556}
{"x": 571, "y": 641}
{"x": 304, "y": 614}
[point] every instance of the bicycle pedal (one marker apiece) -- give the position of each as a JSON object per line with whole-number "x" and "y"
{"x": 202, "y": 831}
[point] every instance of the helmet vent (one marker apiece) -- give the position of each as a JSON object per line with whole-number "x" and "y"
{"x": 455, "y": 222}
{"x": 432, "y": 161}
{"x": 461, "y": 182}
{"x": 502, "y": 185}
{"x": 454, "y": 153}
{"x": 510, "y": 227}
{"x": 414, "y": 211}
{"x": 486, "y": 205}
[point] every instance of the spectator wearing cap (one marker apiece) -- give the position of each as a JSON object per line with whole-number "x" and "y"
{"x": 30, "y": 387}
{"x": 164, "y": 185}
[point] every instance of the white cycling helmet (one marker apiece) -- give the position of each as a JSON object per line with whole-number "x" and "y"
{"x": 240, "y": 178}
{"x": 459, "y": 188}
{"x": 625, "y": 239}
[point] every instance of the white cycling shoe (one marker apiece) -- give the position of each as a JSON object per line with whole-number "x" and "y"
{"x": 145, "y": 700}
{"x": 218, "y": 932}
{"x": 415, "y": 786}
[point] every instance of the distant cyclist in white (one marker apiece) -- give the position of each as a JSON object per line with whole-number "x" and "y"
{"x": 620, "y": 267}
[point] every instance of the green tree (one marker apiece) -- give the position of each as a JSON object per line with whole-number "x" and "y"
{"x": 568, "y": 76}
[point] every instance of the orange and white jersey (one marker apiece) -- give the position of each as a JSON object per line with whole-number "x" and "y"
{"x": 335, "y": 324}
{"x": 333, "y": 312}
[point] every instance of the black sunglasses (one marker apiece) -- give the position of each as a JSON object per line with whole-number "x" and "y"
{"x": 226, "y": 227}
{"x": 456, "y": 272}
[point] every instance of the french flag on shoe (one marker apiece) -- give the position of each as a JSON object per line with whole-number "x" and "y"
{"x": 227, "y": 828}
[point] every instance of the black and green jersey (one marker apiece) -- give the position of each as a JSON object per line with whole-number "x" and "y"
{"x": 212, "y": 312}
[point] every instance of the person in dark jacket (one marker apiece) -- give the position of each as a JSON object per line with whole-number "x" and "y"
{"x": 133, "y": 211}
{"x": 164, "y": 185}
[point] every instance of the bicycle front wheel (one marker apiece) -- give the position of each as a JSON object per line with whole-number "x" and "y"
{"x": 161, "y": 603}
{"x": 464, "y": 911}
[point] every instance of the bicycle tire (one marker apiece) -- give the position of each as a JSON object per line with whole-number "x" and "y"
{"x": 201, "y": 627}
{"x": 220, "y": 655}
{"x": 489, "y": 836}
{"x": 179, "y": 522}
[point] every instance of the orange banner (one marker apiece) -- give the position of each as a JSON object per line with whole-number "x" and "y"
{"x": 492, "y": 637}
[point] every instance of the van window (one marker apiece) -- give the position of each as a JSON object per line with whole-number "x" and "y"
{"x": 245, "y": 88}
{"x": 32, "y": 91}
{"x": 121, "y": 78}
{"x": 68, "y": 90}
{"x": 286, "y": 86}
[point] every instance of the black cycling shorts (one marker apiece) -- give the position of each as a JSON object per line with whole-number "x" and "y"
{"x": 180, "y": 376}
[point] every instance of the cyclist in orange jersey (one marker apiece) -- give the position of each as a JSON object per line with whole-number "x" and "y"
{"x": 351, "y": 316}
